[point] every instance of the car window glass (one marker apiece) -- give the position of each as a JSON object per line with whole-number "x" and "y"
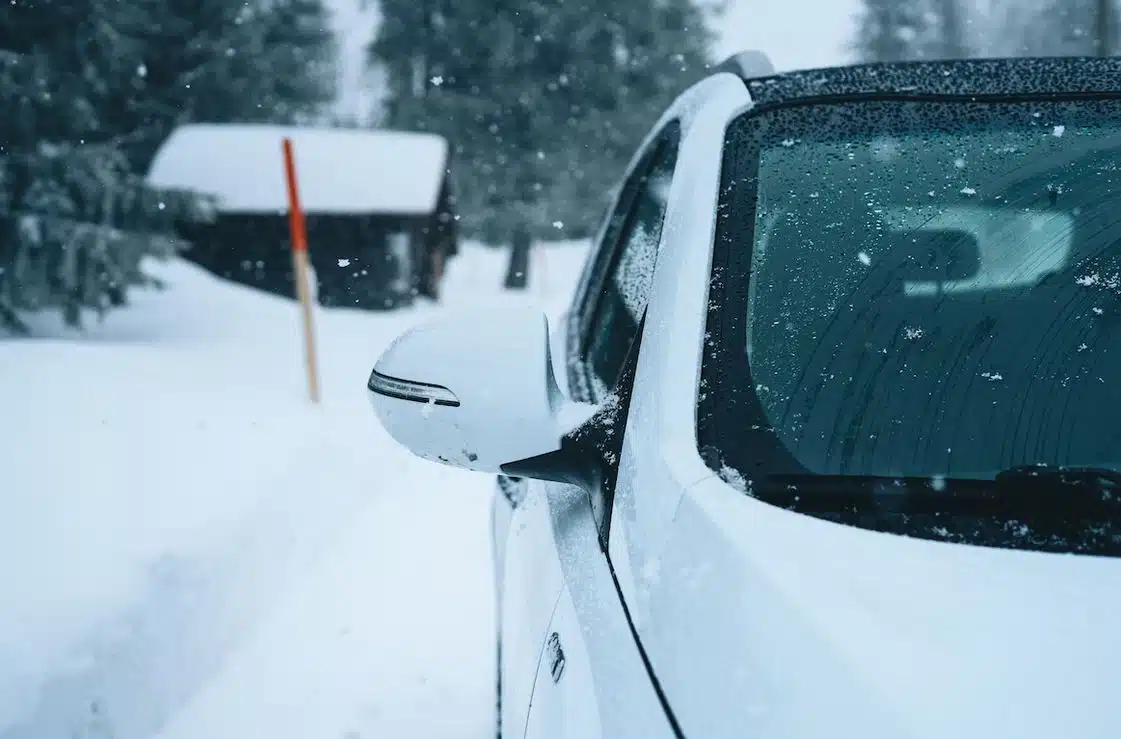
{"x": 941, "y": 298}
{"x": 626, "y": 288}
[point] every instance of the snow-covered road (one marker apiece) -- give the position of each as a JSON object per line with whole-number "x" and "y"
{"x": 188, "y": 549}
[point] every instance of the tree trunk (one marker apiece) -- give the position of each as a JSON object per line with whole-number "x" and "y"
{"x": 517, "y": 273}
{"x": 953, "y": 30}
{"x": 1104, "y": 32}
{"x": 436, "y": 267}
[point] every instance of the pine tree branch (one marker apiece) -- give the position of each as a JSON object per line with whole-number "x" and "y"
{"x": 31, "y": 219}
{"x": 10, "y": 320}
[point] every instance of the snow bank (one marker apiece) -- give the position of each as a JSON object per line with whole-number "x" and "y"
{"x": 187, "y": 548}
{"x": 340, "y": 170}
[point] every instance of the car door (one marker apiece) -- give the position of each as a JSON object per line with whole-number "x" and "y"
{"x": 530, "y": 585}
{"x": 526, "y": 571}
{"x": 607, "y": 317}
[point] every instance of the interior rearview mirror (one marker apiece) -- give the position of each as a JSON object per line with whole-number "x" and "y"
{"x": 475, "y": 391}
{"x": 934, "y": 255}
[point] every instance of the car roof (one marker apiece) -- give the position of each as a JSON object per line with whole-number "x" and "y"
{"x": 747, "y": 64}
{"x": 965, "y": 77}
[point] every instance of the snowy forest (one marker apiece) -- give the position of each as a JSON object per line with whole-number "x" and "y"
{"x": 899, "y": 30}
{"x": 543, "y": 102}
{"x": 89, "y": 89}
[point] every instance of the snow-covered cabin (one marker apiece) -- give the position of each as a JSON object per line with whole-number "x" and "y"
{"x": 378, "y": 207}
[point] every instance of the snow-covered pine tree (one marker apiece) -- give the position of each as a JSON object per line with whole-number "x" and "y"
{"x": 998, "y": 28}
{"x": 75, "y": 223}
{"x": 901, "y": 30}
{"x": 1105, "y": 27}
{"x": 951, "y": 24}
{"x": 302, "y": 56}
{"x": 892, "y": 30}
{"x": 544, "y": 102}
{"x": 1062, "y": 27}
{"x": 223, "y": 61}
{"x": 637, "y": 58}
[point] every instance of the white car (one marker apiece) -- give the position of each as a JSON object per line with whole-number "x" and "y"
{"x": 828, "y": 444}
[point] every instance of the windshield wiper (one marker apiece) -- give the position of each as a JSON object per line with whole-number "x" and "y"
{"x": 1030, "y": 491}
{"x": 1062, "y": 489}
{"x": 1068, "y": 510}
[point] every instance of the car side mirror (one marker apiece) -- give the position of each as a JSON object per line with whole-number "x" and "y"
{"x": 476, "y": 391}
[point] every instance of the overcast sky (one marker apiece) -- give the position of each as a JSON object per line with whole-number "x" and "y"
{"x": 796, "y": 34}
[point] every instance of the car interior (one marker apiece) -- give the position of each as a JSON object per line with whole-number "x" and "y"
{"x": 959, "y": 343}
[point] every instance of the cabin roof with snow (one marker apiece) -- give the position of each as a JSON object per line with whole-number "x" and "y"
{"x": 340, "y": 171}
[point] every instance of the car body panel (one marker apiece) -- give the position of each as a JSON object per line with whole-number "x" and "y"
{"x": 751, "y": 620}
{"x": 660, "y": 458}
{"x": 531, "y": 586}
{"x": 822, "y": 629}
{"x": 604, "y": 690}
{"x": 564, "y": 700}
{"x": 530, "y": 572}
{"x": 603, "y": 630}
{"x": 886, "y": 636}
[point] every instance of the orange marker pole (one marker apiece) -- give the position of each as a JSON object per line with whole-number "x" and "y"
{"x": 298, "y": 232}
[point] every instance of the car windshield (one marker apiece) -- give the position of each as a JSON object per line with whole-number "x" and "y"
{"x": 917, "y": 290}
{"x": 936, "y": 287}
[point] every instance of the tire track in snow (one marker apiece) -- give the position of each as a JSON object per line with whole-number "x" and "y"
{"x": 389, "y": 635}
{"x": 194, "y": 610}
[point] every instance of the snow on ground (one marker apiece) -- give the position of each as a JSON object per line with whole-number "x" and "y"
{"x": 188, "y": 548}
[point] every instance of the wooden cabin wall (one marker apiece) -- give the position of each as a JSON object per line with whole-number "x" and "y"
{"x": 353, "y": 264}
{"x": 436, "y": 240}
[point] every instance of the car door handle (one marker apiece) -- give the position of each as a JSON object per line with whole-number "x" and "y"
{"x": 556, "y": 657}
